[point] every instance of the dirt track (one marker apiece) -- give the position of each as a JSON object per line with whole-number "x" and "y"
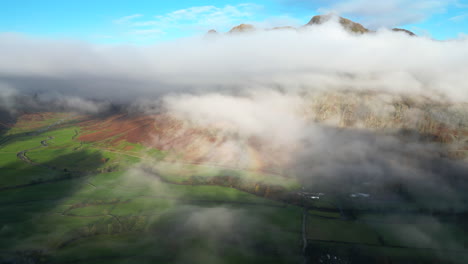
{"x": 22, "y": 154}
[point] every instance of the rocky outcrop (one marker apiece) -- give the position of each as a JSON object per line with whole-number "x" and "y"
{"x": 346, "y": 23}
{"x": 404, "y": 31}
{"x": 242, "y": 28}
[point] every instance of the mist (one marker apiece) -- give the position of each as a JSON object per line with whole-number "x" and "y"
{"x": 322, "y": 57}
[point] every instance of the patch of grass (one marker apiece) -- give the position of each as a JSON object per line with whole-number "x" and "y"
{"x": 340, "y": 230}
{"x": 196, "y": 173}
{"x": 16, "y": 172}
{"x": 324, "y": 214}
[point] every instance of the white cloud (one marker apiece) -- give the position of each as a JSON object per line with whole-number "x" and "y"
{"x": 199, "y": 18}
{"x": 459, "y": 4}
{"x": 459, "y": 18}
{"x": 126, "y": 19}
{"x": 319, "y": 57}
{"x": 388, "y": 13}
{"x": 260, "y": 113}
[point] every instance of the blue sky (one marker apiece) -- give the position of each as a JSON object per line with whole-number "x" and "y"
{"x": 150, "y": 21}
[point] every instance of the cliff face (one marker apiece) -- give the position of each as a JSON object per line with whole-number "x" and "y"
{"x": 430, "y": 120}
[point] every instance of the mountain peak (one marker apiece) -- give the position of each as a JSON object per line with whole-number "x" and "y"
{"x": 346, "y": 23}
{"x": 242, "y": 28}
{"x": 403, "y": 30}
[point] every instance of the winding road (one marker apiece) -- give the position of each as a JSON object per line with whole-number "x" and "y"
{"x": 22, "y": 154}
{"x": 304, "y": 235}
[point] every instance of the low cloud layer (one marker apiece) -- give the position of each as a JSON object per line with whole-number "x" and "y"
{"x": 262, "y": 114}
{"x": 318, "y": 57}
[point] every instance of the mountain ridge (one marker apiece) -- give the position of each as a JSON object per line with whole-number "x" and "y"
{"x": 347, "y": 24}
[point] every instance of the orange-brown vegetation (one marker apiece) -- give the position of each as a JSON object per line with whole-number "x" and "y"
{"x": 37, "y": 120}
{"x": 184, "y": 141}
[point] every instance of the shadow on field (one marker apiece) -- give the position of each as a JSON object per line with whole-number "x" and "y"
{"x": 406, "y": 166}
{"x": 6, "y": 119}
{"x": 400, "y": 198}
{"x": 23, "y": 207}
{"x": 5, "y": 139}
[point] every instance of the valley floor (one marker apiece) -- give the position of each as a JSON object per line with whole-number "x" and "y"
{"x": 67, "y": 201}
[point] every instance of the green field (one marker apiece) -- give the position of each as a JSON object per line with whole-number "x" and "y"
{"x": 68, "y": 201}
{"x": 86, "y": 203}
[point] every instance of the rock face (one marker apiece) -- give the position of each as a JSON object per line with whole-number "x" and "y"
{"x": 403, "y": 30}
{"x": 346, "y": 23}
{"x": 242, "y": 28}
